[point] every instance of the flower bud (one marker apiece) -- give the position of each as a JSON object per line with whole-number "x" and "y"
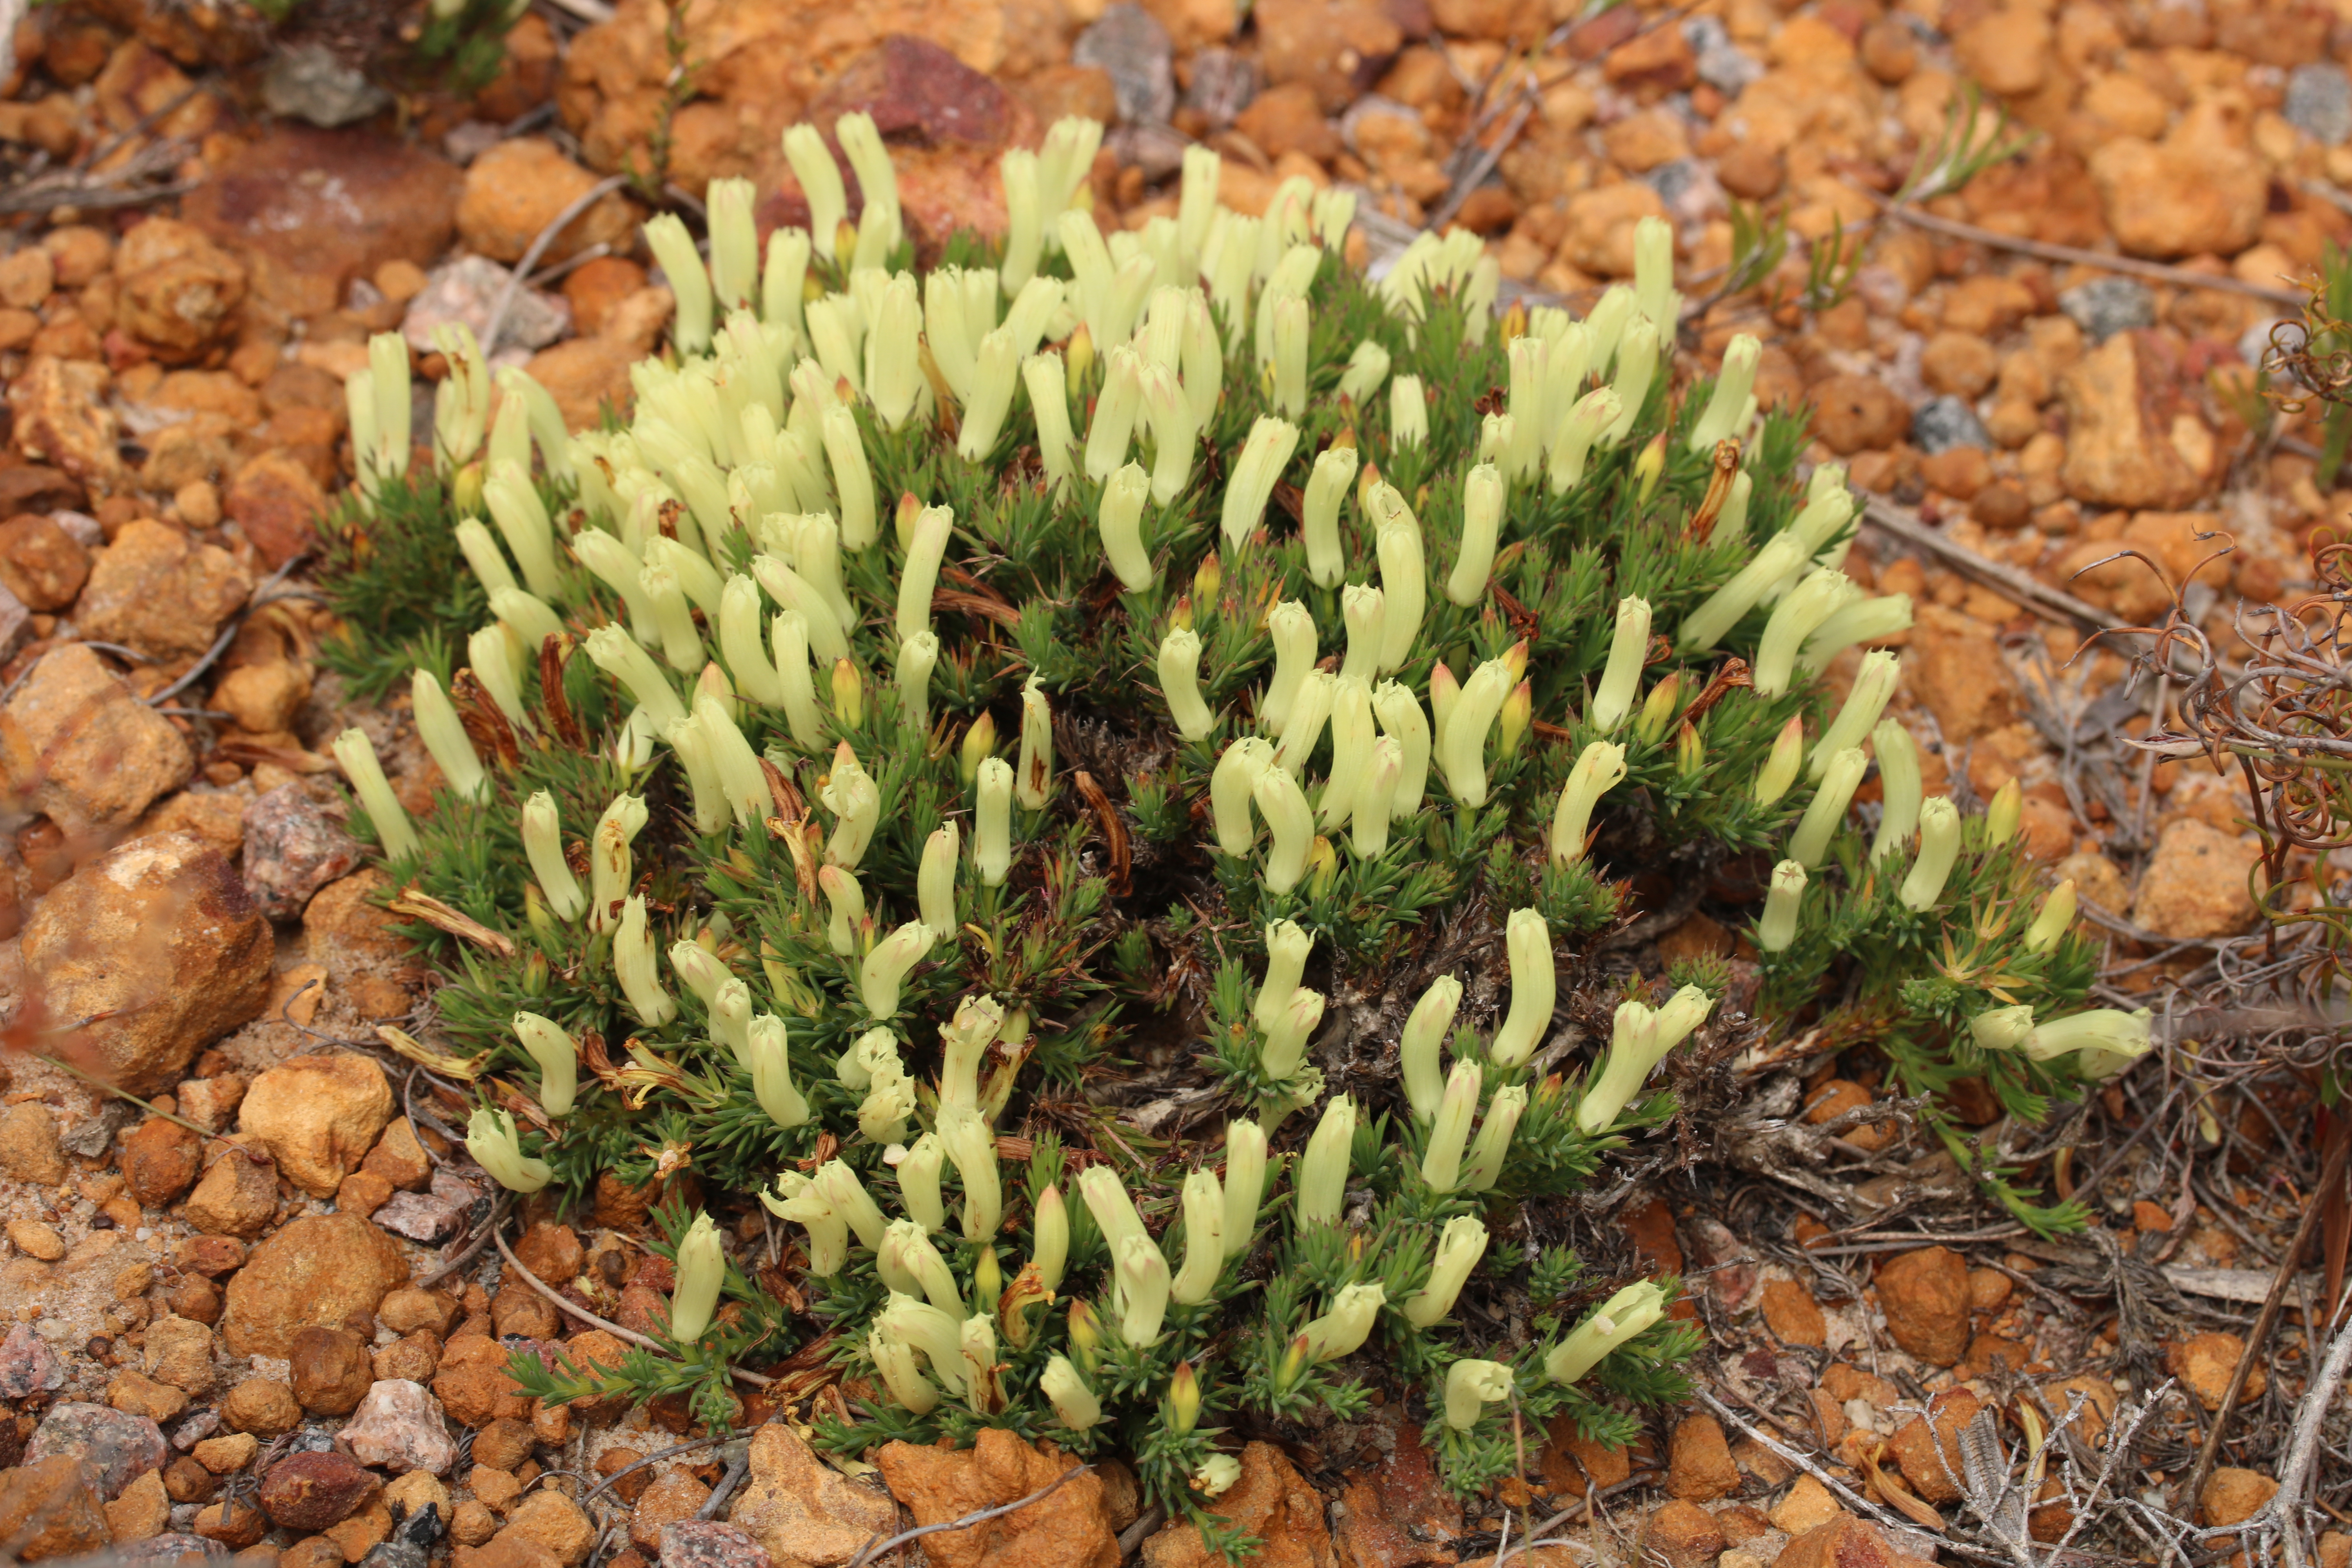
{"x": 558, "y": 1059}
{"x": 1342, "y": 1330}
{"x": 979, "y": 744}
{"x": 1291, "y": 824}
{"x": 2002, "y": 1028}
{"x": 1776, "y": 927}
{"x": 1072, "y": 1400}
{"x": 1939, "y": 847}
{"x": 991, "y": 838}
{"x": 2056, "y": 918}
{"x": 934, "y": 897}
{"x": 887, "y": 965}
{"x": 1255, "y": 471}
{"x": 355, "y": 754}
{"x": 1470, "y": 1387}
{"x": 1599, "y": 768}
{"x": 1780, "y": 770}
{"x": 1616, "y": 1321}
{"x": 1033, "y": 780}
{"x": 1825, "y": 813}
{"x": 1244, "y": 1185}
{"x": 1204, "y": 1240}
{"x": 846, "y": 899}
{"x": 768, "y": 1055}
{"x": 492, "y": 1139}
{"x": 1690, "y": 752}
{"x": 1323, "y": 1171}
{"x": 1721, "y": 419}
{"x": 2003, "y": 812}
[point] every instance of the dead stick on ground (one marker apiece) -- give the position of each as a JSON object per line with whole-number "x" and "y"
{"x": 2180, "y": 277}
{"x": 2050, "y": 604}
{"x": 629, "y": 1336}
{"x": 2331, "y": 1175}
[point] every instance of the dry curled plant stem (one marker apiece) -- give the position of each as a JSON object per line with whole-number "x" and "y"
{"x": 573, "y": 1309}
{"x": 874, "y": 1548}
{"x": 2331, "y": 1176}
{"x": 489, "y": 1228}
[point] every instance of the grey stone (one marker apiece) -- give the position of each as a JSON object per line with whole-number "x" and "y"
{"x": 1945, "y": 422}
{"x": 293, "y": 848}
{"x": 1127, "y": 44}
{"x": 1156, "y": 150}
{"x": 309, "y": 81}
{"x": 1223, "y": 83}
{"x": 2106, "y": 306}
{"x": 430, "y": 1218}
{"x": 465, "y": 290}
{"x": 707, "y": 1543}
{"x": 1720, "y": 63}
{"x": 2319, "y": 102}
{"x": 28, "y": 1366}
{"x": 119, "y": 1447}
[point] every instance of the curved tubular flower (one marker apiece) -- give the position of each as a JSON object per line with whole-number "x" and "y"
{"x": 847, "y": 1197}
{"x": 1180, "y": 683}
{"x": 1724, "y": 407}
{"x": 489, "y": 562}
{"x": 918, "y": 657}
{"x": 1599, "y": 768}
{"x": 1825, "y": 813}
{"x": 1254, "y": 473}
{"x": 935, "y": 899}
{"x": 1470, "y": 1387}
{"x": 900, "y": 1374}
{"x": 894, "y": 349}
{"x": 616, "y": 653}
{"x": 1244, "y": 1183}
{"x": 1637, "y": 367}
{"x": 1291, "y": 823}
{"x": 1704, "y": 627}
{"x": 1640, "y": 1040}
{"x": 610, "y": 867}
{"x": 702, "y": 1270}
{"x": 2056, "y": 916}
{"x": 741, "y": 645}
{"x": 633, "y": 967}
{"x": 1901, "y": 789}
{"x": 1375, "y": 803}
{"x": 1494, "y": 1142}
{"x": 853, "y": 481}
{"x": 2104, "y": 1041}
{"x": 673, "y": 249}
{"x": 798, "y": 1200}
{"x": 1776, "y": 927}
{"x": 1025, "y": 230}
{"x": 1342, "y": 1330}
{"x": 851, "y": 796}
{"x": 558, "y": 1059}
{"x": 1815, "y": 597}
{"x": 1424, "y": 1031}
{"x": 444, "y": 735}
{"x": 1049, "y": 400}
{"x": 1050, "y": 1230}
{"x": 743, "y": 784}
{"x": 1287, "y": 948}
{"x": 1404, "y": 591}
{"x": 1534, "y": 988}
{"x": 1859, "y": 620}
{"x": 964, "y": 1042}
{"x": 1482, "y": 527}
{"x": 1939, "y": 847}
{"x": 934, "y": 1331}
{"x": 820, "y": 179}
{"x": 887, "y": 965}
{"x": 1204, "y": 1240}
{"x": 846, "y": 899}
{"x": 1401, "y": 719}
{"x": 1449, "y": 1134}
{"x": 1114, "y": 410}
{"x": 1072, "y": 1400}
{"x": 543, "y": 845}
{"x": 1462, "y": 739}
{"x": 1286, "y": 1035}
{"x": 673, "y": 617}
{"x": 1364, "y": 613}
{"x": 1621, "y": 680}
{"x": 355, "y": 754}
{"x": 1142, "y": 1288}
{"x": 1615, "y": 1323}
{"x": 1408, "y": 413}
{"x": 1353, "y": 735}
{"x": 1174, "y": 432}
{"x": 1121, "y": 523}
{"x": 730, "y": 1019}
{"x": 992, "y": 837}
{"x": 1318, "y": 521}
{"x": 1032, "y": 780}
{"x": 1290, "y": 328}
{"x": 1322, "y": 1181}
{"x": 1292, "y": 630}
{"x": 492, "y": 1139}
{"x": 1459, "y": 1248}
{"x": 918, "y": 1190}
{"x": 1779, "y": 773}
{"x": 766, "y": 1052}
{"x": 971, "y": 1146}
{"x": 1579, "y": 428}
{"x": 919, "y": 575}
